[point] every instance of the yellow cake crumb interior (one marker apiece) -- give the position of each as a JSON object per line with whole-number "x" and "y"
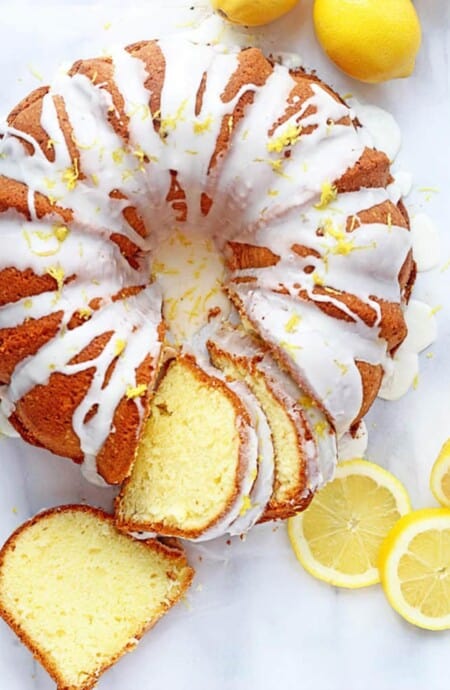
{"x": 287, "y": 450}
{"x": 187, "y": 464}
{"x": 81, "y": 591}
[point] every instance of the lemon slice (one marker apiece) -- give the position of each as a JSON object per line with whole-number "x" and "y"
{"x": 338, "y": 537}
{"x": 440, "y": 476}
{"x": 415, "y": 568}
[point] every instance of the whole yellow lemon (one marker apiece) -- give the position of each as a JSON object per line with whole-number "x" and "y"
{"x": 253, "y": 12}
{"x": 371, "y": 40}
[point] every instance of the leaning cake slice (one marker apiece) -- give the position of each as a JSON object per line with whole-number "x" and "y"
{"x": 80, "y": 594}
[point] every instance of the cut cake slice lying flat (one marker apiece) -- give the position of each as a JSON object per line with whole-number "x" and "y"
{"x": 80, "y": 594}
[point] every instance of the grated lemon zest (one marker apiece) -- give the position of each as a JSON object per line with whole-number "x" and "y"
{"x": 60, "y": 232}
{"x": 290, "y": 348}
{"x": 57, "y": 272}
{"x": 70, "y": 175}
{"x": 119, "y": 346}
{"x": 202, "y": 127}
{"x": 292, "y": 323}
{"x": 289, "y": 137}
{"x": 342, "y": 367}
{"x": 28, "y": 303}
{"x": 136, "y": 391}
{"x": 171, "y": 121}
{"x": 246, "y": 505}
{"x": 320, "y": 428}
{"x": 328, "y": 194}
{"x": 117, "y": 155}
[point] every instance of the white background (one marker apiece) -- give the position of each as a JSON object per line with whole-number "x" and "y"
{"x": 254, "y": 619}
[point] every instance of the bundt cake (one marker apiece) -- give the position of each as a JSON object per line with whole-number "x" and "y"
{"x": 80, "y": 594}
{"x": 171, "y": 183}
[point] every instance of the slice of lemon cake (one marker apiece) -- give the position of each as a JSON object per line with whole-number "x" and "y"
{"x": 80, "y": 594}
{"x": 301, "y": 463}
{"x": 197, "y": 459}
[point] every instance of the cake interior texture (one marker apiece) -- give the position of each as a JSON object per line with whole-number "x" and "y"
{"x": 287, "y": 442}
{"x": 188, "y": 464}
{"x": 80, "y": 594}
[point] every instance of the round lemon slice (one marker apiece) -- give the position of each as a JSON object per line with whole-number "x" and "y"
{"x": 440, "y": 476}
{"x": 415, "y": 568}
{"x": 338, "y": 537}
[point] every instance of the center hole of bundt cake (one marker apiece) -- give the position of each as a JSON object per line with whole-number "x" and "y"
{"x": 190, "y": 270}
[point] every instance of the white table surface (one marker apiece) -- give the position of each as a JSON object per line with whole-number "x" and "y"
{"x": 254, "y": 618}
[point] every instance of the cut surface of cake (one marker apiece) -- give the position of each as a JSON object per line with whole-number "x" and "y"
{"x": 197, "y": 460}
{"x": 128, "y": 156}
{"x": 296, "y": 471}
{"x": 80, "y": 594}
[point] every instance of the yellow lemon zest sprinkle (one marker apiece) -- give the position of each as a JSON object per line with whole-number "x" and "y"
{"x": 136, "y": 391}
{"x": 57, "y": 272}
{"x": 28, "y": 303}
{"x": 272, "y": 192}
{"x": 70, "y": 175}
{"x": 49, "y": 183}
{"x": 185, "y": 241}
{"x": 415, "y": 382}
{"x": 51, "y": 144}
{"x": 246, "y": 505}
{"x": 95, "y": 179}
{"x": 328, "y": 194}
{"x": 191, "y": 152}
{"x": 320, "y": 428}
{"x": 290, "y": 347}
{"x": 245, "y": 135}
{"x": 117, "y": 155}
{"x": 119, "y": 346}
{"x": 317, "y": 279}
{"x": 60, "y": 232}
{"x": 292, "y": 323}
{"x": 126, "y": 175}
{"x": 429, "y": 355}
{"x": 85, "y": 312}
{"x": 230, "y": 124}
{"x": 343, "y": 367}
{"x": 107, "y": 26}
{"x": 343, "y": 244}
{"x": 306, "y": 401}
{"x": 205, "y": 126}
{"x": 171, "y": 121}
{"x": 289, "y": 137}
{"x": 435, "y": 310}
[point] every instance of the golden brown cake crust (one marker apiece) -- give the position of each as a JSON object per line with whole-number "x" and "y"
{"x": 170, "y": 552}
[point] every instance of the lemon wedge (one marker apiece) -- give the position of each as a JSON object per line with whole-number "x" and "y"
{"x": 415, "y": 568}
{"x": 440, "y": 476}
{"x": 338, "y": 537}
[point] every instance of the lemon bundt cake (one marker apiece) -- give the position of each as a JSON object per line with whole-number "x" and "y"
{"x": 80, "y": 594}
{"x": 143, "y": 192}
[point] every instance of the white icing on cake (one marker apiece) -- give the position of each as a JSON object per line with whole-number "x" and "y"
{"x": 382, "y": 126}
{"x": 425, "y": 241}
{"x": 422, "y": 331}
